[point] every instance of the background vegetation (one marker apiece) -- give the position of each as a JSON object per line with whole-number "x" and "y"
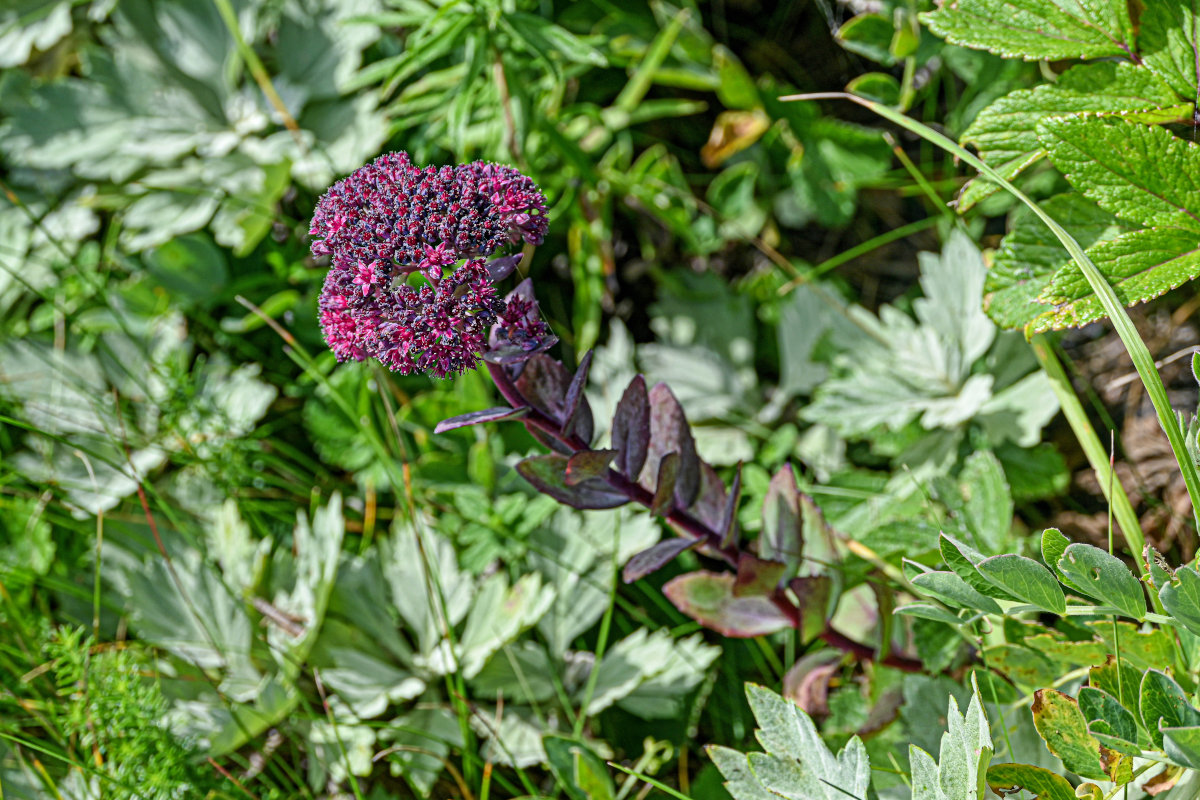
{"x": 230, "y": 566}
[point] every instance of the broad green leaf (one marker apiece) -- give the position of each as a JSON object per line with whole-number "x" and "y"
{"x": 1005, "y": 133}
{"x": 1022, "y": 665}
{"x": 27, "y": 27}
{"x": 1031, "y": 255}
{"x": 953, "y": 590}
{"x": 1122, "y": 682}
{"x": 1183, "y": 745}
{"x": 1181, "y": 598}
{"x": 1140, "y": 266}
{"x": 499, "y": 613}
{"x": 1168, "y": 45}
{"x": 869, "y": 35}
{"x": 1054, "y": 544}
{"x": 708, "y": 598}
{"x": 1107, "y": 719}
{"x": 1007, "y": 779}
{"x": 1025, "y": 579}
{"x": 1037, "y": 29}
{"x": 1152, "y": 648}
{"x": 963, "y": 560}
{"x": 665, "y": 693}
{"x": 988, "y": 506}
{"x": 1070, "y": 653}
{"x": 631, "y": 662}
{"x": 1062, "y": 726}
{"x": 1140, "y": 173}
{"x": 740, "y": 780}
{"x": 877, "y": 86}
{"x": 1105, "y": 577}
{"x": 1164, "y": 705}
{"x": 929, "y": 611}
{"x": 313, "y": 569}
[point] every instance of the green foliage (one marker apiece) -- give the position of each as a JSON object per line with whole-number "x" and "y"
{"x": 315, "y": 589}
{"x": 95, "y": 701}
{"x": 1099, "y": 126}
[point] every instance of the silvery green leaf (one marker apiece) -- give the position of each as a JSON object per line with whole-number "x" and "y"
{"x": 316, "y": 546}
{"x": 966, "y": 749}
{"x": 32, "y": 25}
{"x": 208, "y": 628}
{"x": 359, "y": 672}
{"x": 419, "y": 741}
{"x": 418, "y": 596}
{"x": 665, "y": 694}
{"x": 953, "y": 286}
{"x": 498, "y": 615}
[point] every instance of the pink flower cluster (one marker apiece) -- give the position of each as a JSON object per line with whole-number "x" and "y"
{"x": 390, "y": 220}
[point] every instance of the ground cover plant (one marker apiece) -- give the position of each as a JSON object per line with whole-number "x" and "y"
{"x": 598, "y": 400}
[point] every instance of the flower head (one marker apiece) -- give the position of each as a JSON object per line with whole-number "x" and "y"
{"x": 390, "y": 219}
{"x": 393, "y": 211}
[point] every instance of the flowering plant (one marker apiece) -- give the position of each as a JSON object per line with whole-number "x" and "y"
{"x": 391, "y": 222}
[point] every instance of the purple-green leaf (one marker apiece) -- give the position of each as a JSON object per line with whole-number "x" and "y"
{"x": 664, "y": 491}
{"x": 728, "y": 529}
{"x": 670, "y": 433}
{"x": 512, "y": 354}
{"x": 782, "y": 536}
{"x": 543, "y": 383}
{"x": 587, "y": 464}
{"x": 548, "y": 474}
{"x": 708, "y": 598}
{"x": 631, "y": 429}
{"x": 578, "y": 413}
{"x": 756, "y": 576}
{"x": 477, "y": 417}
{"x": 500, "y": 268}
{"x": 655, "y": 558}
{"x": 813, "y": 595}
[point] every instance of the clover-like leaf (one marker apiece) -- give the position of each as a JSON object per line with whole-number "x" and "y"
{"x": 1181, "y": 598}
{"x": 954, "y": 591}
{"x": 1026, "y": 580}
{"x": 963, "y": 560}
{"x": 1006, "y": 779}
{"x": 1111, "y": 723}
{"x": 1105, "y": 577}
{"x": 1065, "y": 731}
{"x": 1164, "y": 704}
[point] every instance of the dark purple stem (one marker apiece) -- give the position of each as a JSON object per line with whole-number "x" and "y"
{"x": 685, "y": 522}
